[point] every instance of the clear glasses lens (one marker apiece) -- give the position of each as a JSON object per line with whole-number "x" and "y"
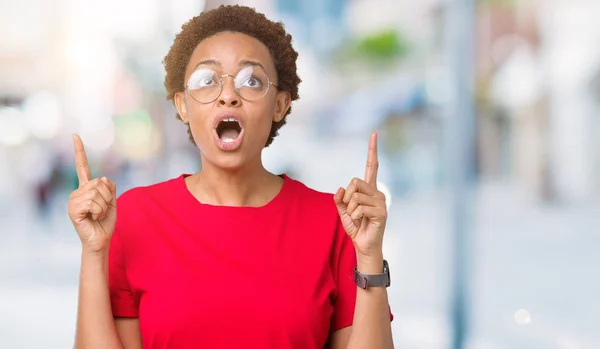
{"x": 251, "y": 83}
{"x": 204, "y": 85}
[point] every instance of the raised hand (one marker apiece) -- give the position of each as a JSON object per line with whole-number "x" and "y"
{"x": 93, "y": 206}
{"x": 362, "y": 207}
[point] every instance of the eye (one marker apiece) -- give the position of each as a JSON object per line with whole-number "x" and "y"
{"x": 253, "y": 82}
{"x": 202, "y": 78}
{"x": 249, "y": 77}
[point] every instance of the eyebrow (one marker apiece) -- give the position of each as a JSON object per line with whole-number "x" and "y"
{"x": 243, "y": 63}
{"x": 251, "y": 63}
{"x": 208, "y": 62}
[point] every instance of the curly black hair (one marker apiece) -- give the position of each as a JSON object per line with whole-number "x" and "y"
{"x": 239, "y": 19}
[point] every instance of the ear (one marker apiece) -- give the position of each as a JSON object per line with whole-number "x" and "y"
{"x": 284, "y": 101}
{"x": 181, "y": 105}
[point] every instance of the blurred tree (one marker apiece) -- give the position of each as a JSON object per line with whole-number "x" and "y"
{"x": 383, "y": 47}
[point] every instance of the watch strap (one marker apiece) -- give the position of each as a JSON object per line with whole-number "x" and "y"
{"x": 365, "y": 281}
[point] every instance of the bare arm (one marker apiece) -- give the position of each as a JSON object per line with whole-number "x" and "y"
{"x": 93, "y": 211}
{"x": 95, "y": 325}
{"x": 371, "y": 326}
{"x": 129, "y": 332}
{"x": 363, "y": 212}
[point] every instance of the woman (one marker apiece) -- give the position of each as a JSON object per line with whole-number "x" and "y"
{"x": 232, "y": 256}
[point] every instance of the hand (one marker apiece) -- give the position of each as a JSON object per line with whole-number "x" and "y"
{"x": 362, "y": 208}
{"x": 93, "y": 206}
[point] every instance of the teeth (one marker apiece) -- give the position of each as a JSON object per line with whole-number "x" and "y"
{"x": 230, "y": 120}
{"x": 228, "y": 140}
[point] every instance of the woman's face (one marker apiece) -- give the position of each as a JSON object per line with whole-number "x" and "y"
{"x": 231, "y": 131}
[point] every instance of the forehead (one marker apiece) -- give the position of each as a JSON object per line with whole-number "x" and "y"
{"x": 229, "y": 49}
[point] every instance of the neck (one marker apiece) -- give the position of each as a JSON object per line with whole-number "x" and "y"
{"x": 251, "y": 185}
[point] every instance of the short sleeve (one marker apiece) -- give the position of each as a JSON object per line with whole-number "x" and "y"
{"x": 344, "y": 262}
{"x": 122, "y": 300}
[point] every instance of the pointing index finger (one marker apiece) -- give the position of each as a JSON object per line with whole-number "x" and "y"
{"x": 372, "y": 161}
{"x": 81, "y": 162}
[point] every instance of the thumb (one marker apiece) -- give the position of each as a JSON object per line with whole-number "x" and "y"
{"x": 350, "y": 226}
{"x": 337, "y": 198}
{"x": 113, "y": 189}
{"x": 342, "y": 207}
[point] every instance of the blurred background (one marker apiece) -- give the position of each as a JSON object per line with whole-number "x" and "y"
{"x": 489, "y": 121}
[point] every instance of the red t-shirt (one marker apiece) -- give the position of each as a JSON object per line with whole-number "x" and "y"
{"x": 204, "y": 276}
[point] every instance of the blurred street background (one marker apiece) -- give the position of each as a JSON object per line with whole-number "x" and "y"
{"x": 526, "y": 211}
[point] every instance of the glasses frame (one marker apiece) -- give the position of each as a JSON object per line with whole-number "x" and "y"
{"x": 269, "y": 84}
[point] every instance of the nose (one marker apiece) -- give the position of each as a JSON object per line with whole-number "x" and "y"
{"x": 229, "y": 96}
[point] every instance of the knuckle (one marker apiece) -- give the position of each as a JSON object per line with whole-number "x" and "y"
{"x": 89, "y": 185}
{"x": 101, "y": 190}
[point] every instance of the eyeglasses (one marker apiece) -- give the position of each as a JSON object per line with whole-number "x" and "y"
{"x": 251, "y": 84}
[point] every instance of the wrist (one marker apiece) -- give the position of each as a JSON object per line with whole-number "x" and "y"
{"x": 94, "y": 254}
{"x": 370, "y": 264}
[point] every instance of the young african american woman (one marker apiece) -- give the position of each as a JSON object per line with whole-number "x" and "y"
{"x": 232, "y": 256}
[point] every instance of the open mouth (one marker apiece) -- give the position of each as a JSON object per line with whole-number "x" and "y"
{"x": 229, "y": 130}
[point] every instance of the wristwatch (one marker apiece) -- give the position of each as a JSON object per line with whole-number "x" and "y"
{"x": 365, "y": 281}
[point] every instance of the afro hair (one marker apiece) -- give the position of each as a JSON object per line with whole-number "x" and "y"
{"x": 238, "y": 19}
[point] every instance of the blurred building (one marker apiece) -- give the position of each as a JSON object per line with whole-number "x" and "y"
{"x": 537, "y": 114}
